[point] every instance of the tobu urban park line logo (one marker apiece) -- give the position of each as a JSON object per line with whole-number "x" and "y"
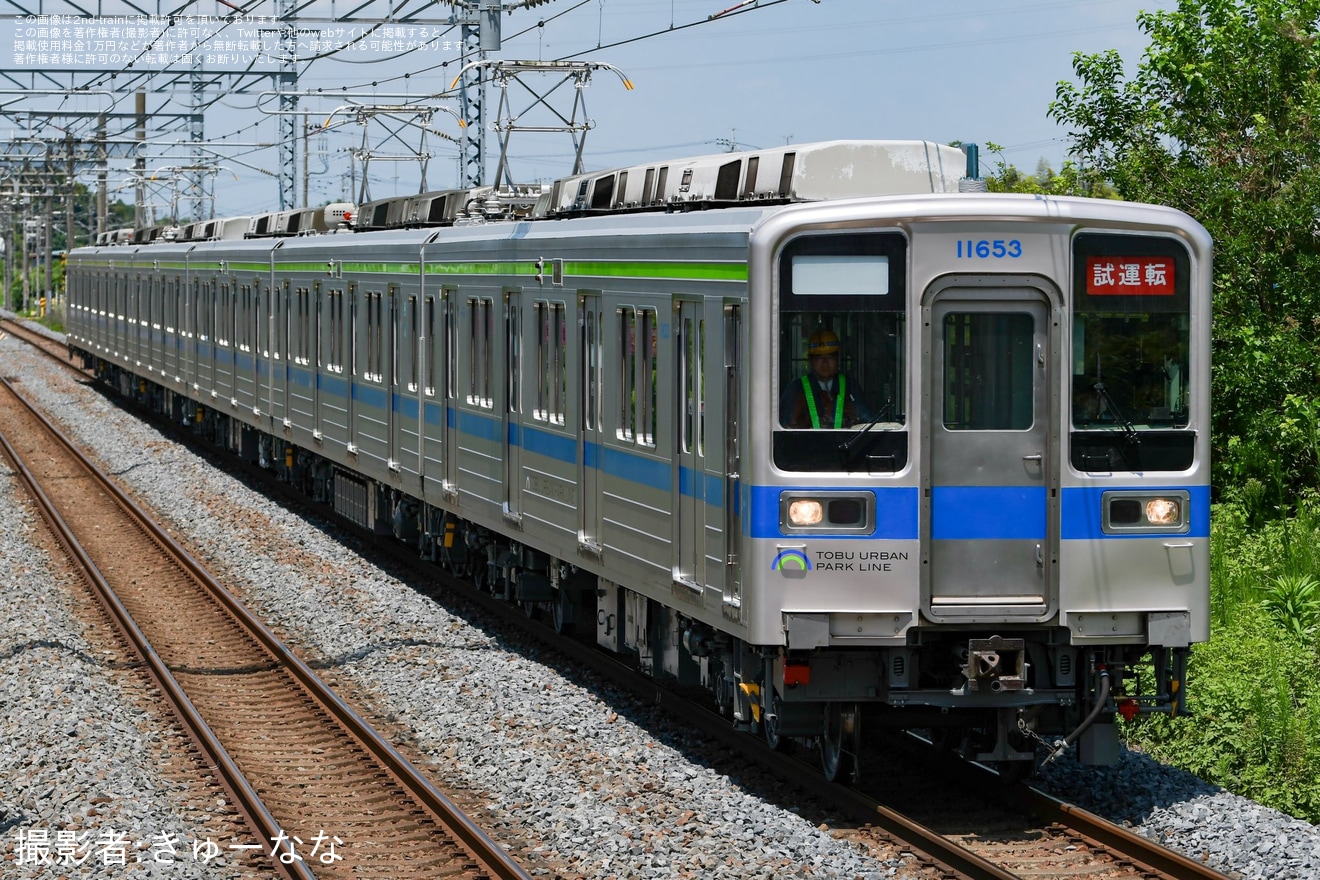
{"x": 791, "y": 560}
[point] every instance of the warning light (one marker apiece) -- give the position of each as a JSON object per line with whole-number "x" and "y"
{"x": 1128, "y": 709}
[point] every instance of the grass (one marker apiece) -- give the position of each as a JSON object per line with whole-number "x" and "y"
{"x": 1255, "y": 686}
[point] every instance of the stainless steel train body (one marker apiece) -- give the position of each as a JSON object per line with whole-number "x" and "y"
{"x": 586, "y": 414}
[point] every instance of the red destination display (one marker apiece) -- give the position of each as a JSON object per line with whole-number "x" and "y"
{"x": 1129, "y": 276}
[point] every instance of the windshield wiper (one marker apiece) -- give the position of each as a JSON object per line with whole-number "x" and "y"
{"x": 1129, "y": 432}
{"x": 848, "y": 447}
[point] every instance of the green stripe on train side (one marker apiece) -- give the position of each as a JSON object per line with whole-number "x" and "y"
{"x": 494, "y": 267}
{"x": 656, "y": 269}
{"x": 704, "y": 271}
{"x": 601, "y": 269}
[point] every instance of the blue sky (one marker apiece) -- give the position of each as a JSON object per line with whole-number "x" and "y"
{"x": 795, "y": 70}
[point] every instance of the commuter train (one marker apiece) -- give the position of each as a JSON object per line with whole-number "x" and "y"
{"x": 576, "y": 395}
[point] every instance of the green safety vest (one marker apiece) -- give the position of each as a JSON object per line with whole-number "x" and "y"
{"x": 811, "y": 402}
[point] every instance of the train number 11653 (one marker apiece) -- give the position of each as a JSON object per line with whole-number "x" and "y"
{"x": 984, "y": 250}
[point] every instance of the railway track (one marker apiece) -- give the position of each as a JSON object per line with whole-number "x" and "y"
{"x": 322, "y": 793}
{"x": 968, "y": 826}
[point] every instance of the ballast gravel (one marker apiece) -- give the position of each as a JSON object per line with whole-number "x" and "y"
{"x": 595, "y": 784}
{"x": 80, "y": 789}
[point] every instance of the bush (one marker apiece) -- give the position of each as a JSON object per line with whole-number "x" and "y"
{"x": 1255, "y": 724}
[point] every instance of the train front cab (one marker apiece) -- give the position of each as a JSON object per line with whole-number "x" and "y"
{"x": 1023, "y": 519}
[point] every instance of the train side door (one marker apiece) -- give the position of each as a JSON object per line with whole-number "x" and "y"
{"x": 511, "y": 434}
{"x": 277, "y": 353}
{"x": 314, "y": 354}
{"x": 400, "y": 377}
{"x": 690, "y": 446}
{"x": 206, "y": 324}
{"x": 988, "y": 536}
{"x": 591, "y": 449}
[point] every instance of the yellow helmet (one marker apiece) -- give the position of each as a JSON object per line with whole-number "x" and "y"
{"x": 823, "y": 341}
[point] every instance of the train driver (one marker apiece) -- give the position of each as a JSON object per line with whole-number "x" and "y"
{"x": 824, "y": 397}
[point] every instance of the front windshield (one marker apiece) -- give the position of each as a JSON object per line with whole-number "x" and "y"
{"x": 1130, "y": 369}
{"x": 1131, "y": 320}
{"x": 842, "y": 359}
{"x": 865, "y": 372}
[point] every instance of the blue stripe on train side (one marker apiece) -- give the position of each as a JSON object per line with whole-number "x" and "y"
{"x": 972, "y": 513}
{"x": 369, "y": 396}
{"x": 560, "y": 447}
{"x": 1081, "y": 510}
{"x": 897, "y": 512}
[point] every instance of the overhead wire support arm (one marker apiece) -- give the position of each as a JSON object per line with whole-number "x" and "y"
{"x": 502, "y": 73}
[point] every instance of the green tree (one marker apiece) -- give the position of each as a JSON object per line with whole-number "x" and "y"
{"x": 1222, "y": 120}
{"x": 1071, "y": 180}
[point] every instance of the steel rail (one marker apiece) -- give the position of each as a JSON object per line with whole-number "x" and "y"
{"x": 447, "y": 814}
{"x": 1130, "y": 844}
{"x": 240, "y": 791}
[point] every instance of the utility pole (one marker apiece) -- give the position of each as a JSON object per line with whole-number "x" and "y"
{"x": 286, "y": 84}
{"x": 72, "y": 193}
{"x": 48, "y": 286}
{"x": 481, "y": 33}
{"x": 102, "y": 206}
{"x": 140, "y": 164}
{"x": 306, "y": 138}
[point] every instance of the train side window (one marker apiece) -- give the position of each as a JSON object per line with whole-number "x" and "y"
{"x": 694, "y": 385}
{"x": 451, "y": 345}
{"x": 700, "y": 413}
{"x": 551, "y": 361}
{"x": 275, "y": 328}
{"x": 428, "y": 345}
{"x": 340, "y": 323}
{"x": 591, "y": 372}
{"x": 369, "y": 349}
{"x": 245, "y": 317}
{"x": 200, "y": 331}
{"x": 481, "y": 313}
{"x": 513, "y": 351}
{"x": 373, "y": 367}
{"x": 172, "y": 305}
{"x": 413, "y": 343}
{"x": 261, "y": 324}
{"x": 304, "y": 325}
{"x": 627, "y": 373}
{"x": 646, "y": 421}
{"x": 225, "y": 308}
{"x": 637, "y": 366}
{"x": 324, "y": 327}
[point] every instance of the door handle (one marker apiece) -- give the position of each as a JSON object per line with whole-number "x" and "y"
{"x": 1036, "y": 457}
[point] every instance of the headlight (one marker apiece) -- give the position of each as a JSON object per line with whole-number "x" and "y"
{"x": 805, "y": 512}
{"x": 1131, "y": 511}
{"x": 1163, "y": 512}
{"x": 827, "y": 511}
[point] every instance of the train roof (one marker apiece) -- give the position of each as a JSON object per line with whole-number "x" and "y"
{"x": 811, "y": 172}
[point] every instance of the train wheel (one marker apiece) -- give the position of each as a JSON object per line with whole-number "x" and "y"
{"x": 838, "y": 742}
{"x": 561, "y": 614}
